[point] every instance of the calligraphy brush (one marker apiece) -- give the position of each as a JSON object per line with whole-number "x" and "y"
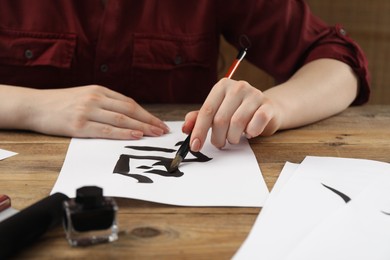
{"x": 185, "y": 146}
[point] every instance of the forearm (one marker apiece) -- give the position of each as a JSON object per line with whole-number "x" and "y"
{"x": 14, "y": 107}
{"x": 318, "y": 90}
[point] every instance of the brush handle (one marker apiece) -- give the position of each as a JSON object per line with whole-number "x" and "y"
{"x": 185, "y": 147}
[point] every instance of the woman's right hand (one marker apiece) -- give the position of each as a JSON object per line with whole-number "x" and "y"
{"x": 88, "y": 111}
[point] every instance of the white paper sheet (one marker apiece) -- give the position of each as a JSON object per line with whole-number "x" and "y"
{"x": 231, "y": 178}
{"x": 5, "y": 154}
{"x": 358, "y": 231}
{"x": 284, "y": 176}
{"x": 248, "y": 250}
{"x": 304, "y": 202}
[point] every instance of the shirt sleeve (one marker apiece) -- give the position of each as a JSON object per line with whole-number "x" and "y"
{"x": 284, "y": 35}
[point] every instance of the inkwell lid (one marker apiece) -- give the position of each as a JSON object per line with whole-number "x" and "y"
{"x": 90, "y": 197}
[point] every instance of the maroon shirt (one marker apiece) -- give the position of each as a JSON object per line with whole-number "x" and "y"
{"x": 161, "y": 50}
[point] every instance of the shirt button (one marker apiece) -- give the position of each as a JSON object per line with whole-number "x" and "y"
{"x": 104, "y": 68}
{"x": 343, "y": 31}
{"x": 28, "y": 54}
{"x": 178, "y": 60}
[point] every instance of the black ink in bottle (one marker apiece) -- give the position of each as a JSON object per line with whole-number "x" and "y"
{"x": 90, "y": 218}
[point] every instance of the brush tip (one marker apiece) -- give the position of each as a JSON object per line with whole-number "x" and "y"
{"x": 175, "y": 163}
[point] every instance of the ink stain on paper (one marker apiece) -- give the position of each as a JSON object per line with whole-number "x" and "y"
{"x": 122, "y": 167}
{"x": 150, "y": 148}
{"x": 123, "y": 164}
{"x": 346, "y": 198}
{"x": 342, "y": 195}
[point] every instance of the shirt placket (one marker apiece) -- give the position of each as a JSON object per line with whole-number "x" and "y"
{"x": 113, "y": 48}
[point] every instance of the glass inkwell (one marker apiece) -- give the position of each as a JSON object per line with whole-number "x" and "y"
{"x": 90, "y": 218}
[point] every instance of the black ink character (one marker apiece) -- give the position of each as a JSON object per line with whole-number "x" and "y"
{"x": 123, "y": 164}
{"x": 342, "y": 195}
{"x": 346, "y": 198}
{"x": 386, "y": 213}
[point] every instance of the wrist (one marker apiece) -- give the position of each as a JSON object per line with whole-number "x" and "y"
{"x": 16, "y": 106}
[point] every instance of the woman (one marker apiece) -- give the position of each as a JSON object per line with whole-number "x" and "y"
{"x": 79, "y": 68}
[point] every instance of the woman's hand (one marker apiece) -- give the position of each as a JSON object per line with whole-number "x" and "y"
{"x": 320, "y": 89}
{"x": 232, "y": 108}
{"x": 87, "y": 111}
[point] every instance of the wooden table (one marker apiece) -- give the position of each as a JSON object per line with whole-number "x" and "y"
{"x": 150, "y": 230}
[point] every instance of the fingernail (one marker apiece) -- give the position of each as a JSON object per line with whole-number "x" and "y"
{"x": 157, "y": 131}
{"x": 137, "y": 134}
{"x": 248, "y": 136}
{"x": 165, "y": 127}
{"x": 195, "y": 145}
